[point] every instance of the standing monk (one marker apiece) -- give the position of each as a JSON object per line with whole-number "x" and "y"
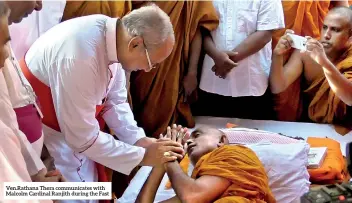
{"x": 158, "y": 97}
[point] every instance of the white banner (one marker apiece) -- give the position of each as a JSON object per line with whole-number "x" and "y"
{"x": 56, "y": 190}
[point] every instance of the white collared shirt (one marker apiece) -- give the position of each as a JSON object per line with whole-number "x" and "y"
{"x": 239, "y": 19}
{"x": 73, "y": 58}
{"x": 8, "y": 117}
{"x": 25, "y": 33}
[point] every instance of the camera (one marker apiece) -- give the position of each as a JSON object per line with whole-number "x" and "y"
{"x": 299, "y": 42}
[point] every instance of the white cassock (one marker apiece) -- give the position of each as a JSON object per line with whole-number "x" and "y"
{"x": 24, "y": 34}
{"x": 77, "y": 59}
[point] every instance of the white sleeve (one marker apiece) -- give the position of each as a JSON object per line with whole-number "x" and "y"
{"x": 33, "y": 161}
{"x": 12, "y": 163}
{"x": 73, "y": 89}
{"x": 270, "y": 15}
{"x": 118, "y": 114}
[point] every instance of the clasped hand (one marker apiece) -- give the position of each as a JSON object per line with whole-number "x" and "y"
{"x": 175, "y": 134}
{"x": 167, "y": 148}
{"x": 224, "y": 63}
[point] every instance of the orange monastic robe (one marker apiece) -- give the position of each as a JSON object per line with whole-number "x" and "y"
{"x": 74, "y": 9}
{"x": 333, "y": 168}
{"x": 156, "y": 97}
{"x": 241, "y": 166}
{"x": 324, "y": 105}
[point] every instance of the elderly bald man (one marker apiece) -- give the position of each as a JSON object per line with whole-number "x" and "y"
{"x": 75, "y": 69}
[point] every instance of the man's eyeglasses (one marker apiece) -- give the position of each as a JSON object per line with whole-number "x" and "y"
{"x": 151, "y": 66}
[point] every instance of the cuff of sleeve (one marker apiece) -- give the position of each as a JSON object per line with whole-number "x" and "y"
{"x": 38, "y": 165}
{"x": 139, "y": 135}
{"x": 115, "y": 154}
{"x": 271, "y": 26}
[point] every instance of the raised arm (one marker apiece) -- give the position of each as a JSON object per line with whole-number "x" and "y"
{"x": 151, "y": 185}
{"x": 282, "y": 76}
{"x": 338, "y": 82}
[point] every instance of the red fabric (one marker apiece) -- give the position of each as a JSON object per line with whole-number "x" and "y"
{"x": 29, "y": 122}
{"x": 47, "y": 106}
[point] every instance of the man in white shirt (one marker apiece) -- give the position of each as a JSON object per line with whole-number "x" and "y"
{"x": 235, "y": 71}
{"x": 23, "y": 35}
{"x": 15, "y": 95}
{"x": 20, "y": 92}
{"x": 79, "y": 60}
{"x": 16, "y": 161}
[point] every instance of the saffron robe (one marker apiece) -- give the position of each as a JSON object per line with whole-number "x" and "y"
{"x": 157, "y": 98}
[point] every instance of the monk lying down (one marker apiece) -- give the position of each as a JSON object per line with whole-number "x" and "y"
{"x": 222, "y": 173}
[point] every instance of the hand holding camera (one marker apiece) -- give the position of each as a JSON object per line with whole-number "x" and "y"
{"x": 288, "y": 41}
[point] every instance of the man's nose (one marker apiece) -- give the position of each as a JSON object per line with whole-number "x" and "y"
{"x": 6, "y": 54}
{"x": 327, "y": 35}
{"x": 187, "y": 143}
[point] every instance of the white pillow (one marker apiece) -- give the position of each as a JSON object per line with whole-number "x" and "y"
{"x": 285, "y": 164}
{"x": 286, "y": 167}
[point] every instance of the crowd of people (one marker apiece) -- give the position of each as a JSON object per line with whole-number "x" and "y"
{"x": 87, "y": 85}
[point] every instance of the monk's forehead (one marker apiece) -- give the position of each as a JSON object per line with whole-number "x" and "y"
{"x": 339, "y": 18}
{"x": 208, "y": 130}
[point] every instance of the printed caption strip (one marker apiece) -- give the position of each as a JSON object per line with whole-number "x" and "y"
{"x": 57, "y": 191}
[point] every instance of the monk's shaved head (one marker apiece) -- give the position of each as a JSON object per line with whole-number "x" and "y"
{"x": 212, "y": 132}
{"x": 203, "y": 140}
{"x": 336, "y": 32}
{"x": 346, "y": 12}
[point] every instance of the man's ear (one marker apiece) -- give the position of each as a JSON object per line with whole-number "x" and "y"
{"x": 223, "y": 141}
{"x": 135, "y": 42}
